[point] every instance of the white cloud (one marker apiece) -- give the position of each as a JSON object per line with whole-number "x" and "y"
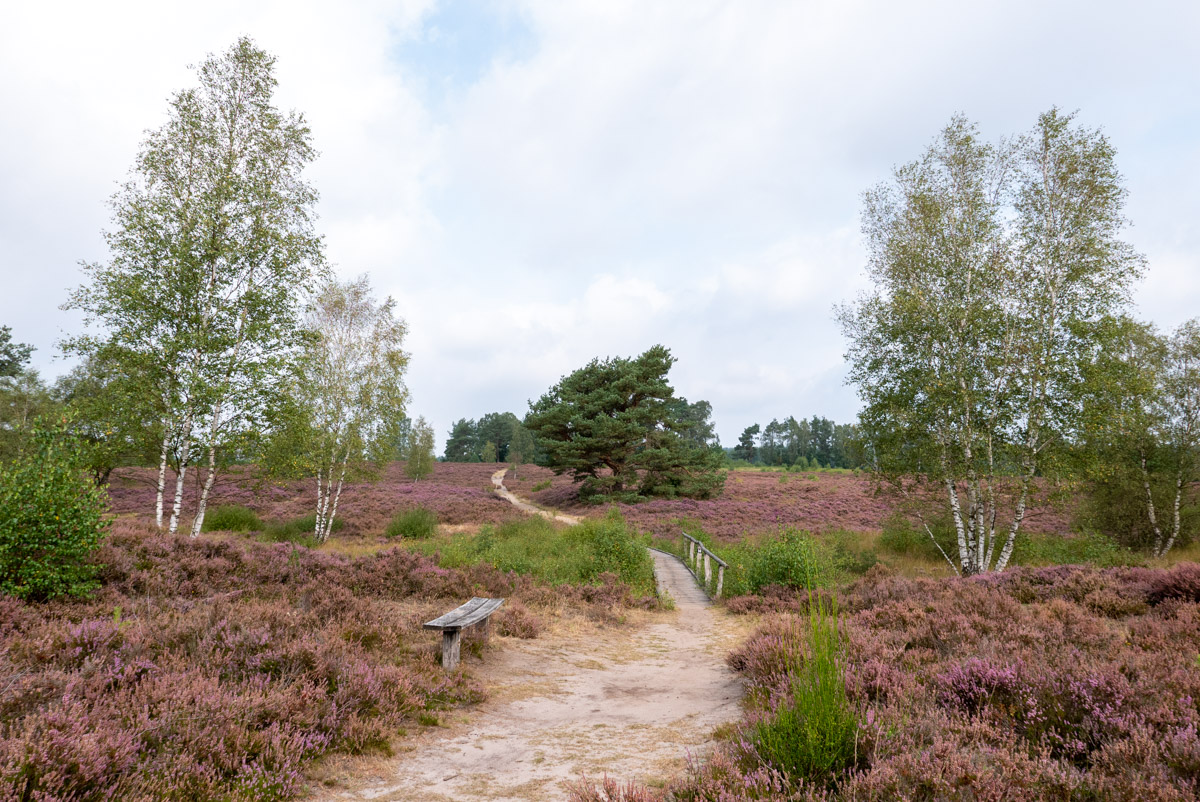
{"x": 686, "y": 173}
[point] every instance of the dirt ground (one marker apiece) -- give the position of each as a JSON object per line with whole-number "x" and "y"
{"x": 631, "y": 701}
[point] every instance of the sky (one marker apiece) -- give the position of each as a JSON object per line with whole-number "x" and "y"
{"x": 540, "y": 183}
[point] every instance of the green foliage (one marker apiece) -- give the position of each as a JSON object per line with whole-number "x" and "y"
{"x": 24, "y": 399}
{"x": 615, "y": 425}
{"x": 900, "y": 537}
{"x": 213, "y": 251}
{"x": 788, "y": 559}
{"x": 539, "y": 486}
{"x": 488, "y": 452}
{"x": 13, "y": 356}
{"x": 991, "y": 266}
{"x": 556, "y": 554}
{"x": 232, "y": 518}
{"x": 814, "y": 735}
{"x": 420, "y": 451}
{"x": 1091, "y": 548}
{"x": 51, "y": 519}
{"x": 115, "y": 414}
{"x": 417, "y": 522}
{"x": 298, "y": 530}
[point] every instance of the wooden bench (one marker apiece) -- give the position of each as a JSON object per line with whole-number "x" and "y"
{"x": 476, "y": 611}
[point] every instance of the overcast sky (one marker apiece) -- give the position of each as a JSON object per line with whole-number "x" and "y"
{"x": 539, "y": 183}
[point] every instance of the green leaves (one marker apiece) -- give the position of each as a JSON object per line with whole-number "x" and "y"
{"x": 51, "y": 519}
{"x": 991, "y": 266}
{"x": 617, "y": 426}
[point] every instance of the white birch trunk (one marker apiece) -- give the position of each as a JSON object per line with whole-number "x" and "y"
{"x": 202, "y": 505}
{"x": 1175, "y": 522}
{"x": 336, "y": 496}
{"x": 162, "y": 479}
{"x": 1018, "y": 516}
{"x": 1150, "y": 511}
{"x": 184, "y": 455}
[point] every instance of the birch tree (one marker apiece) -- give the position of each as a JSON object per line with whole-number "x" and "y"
{"x": 420, "y": 451}
{"x": 989, "y": 264}
{"x": 212, "y": 253}
{"x": 1145, "y": 433}
{"x": 349, "y": 391}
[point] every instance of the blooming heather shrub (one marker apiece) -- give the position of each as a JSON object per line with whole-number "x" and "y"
{"x": 609, "y": 790}
{"x": 205, "y": 669}
{"x": 417, "y": 522}
{"x": 232, "y": 518}
{"x": 1027, "y": 685}
{"x": 515, "y": 621}
{"x": 1181, "y": 582}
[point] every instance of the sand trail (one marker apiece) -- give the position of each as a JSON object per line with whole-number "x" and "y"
{"x": 631, "y": 701}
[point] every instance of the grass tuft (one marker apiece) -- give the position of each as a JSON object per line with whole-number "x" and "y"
{"x": 417, "y": 523}
{"x": 231, "y": 518}
{"x": 814, "y": 734}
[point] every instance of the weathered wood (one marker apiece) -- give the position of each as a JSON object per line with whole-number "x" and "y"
{"x": 451, "y": 648}
{"x": 476, "y": 612}
{"x": 698, "y": 555}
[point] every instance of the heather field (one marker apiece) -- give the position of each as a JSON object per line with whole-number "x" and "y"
{"x": 1063, "y": 683}
{"x": 221, "y": 668}
{"x": 757, "y": 502}
{"x": 457, "y": 493}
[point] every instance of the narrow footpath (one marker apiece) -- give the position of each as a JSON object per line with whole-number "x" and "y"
{"x": 584, "y": 699}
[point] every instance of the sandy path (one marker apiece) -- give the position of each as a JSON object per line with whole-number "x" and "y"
{"x": 506, "y": 494}
{"x": 631, "y": 701}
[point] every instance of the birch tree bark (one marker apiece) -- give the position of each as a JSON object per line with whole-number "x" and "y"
{"x": 989, "y": 262}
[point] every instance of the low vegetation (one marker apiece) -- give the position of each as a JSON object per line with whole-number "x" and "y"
{"x": 417, "y": 522}
{"x": 1064, "y": 682}
{"x": 597, "y": 551}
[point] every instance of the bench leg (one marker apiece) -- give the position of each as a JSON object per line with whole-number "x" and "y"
{"x": 485, "y": 629}
{"x": 451, "y": 648}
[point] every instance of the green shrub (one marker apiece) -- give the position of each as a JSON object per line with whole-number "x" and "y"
{"x": 814, "y": 735}
{"x": 615, "y": 549}
{"x": 788, "y": 559}
{"x": 1092, "y": 548}
{"x": 297, "y": 530}
{"x": 418, "y": 522}
{"x": 899, "y": 536}
{"x": 542, "y": 485}
{"x": 553, "y": 553}
{"x": 232, "y": 518}
{"x": 51, "y": 519}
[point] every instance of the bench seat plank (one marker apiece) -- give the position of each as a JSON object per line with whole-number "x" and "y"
{"x": 466, "y": 615}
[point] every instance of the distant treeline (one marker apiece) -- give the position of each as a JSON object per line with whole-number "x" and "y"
{"x": 495, "y": 437}
{"x": 814, "y": 443}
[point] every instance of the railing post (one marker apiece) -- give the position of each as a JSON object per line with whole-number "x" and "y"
{"x": 707, "y": 570}
{"x": 720, "y": 578}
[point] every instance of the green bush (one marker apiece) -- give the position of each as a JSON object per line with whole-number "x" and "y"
{"x": 814, "y": 735}
{"x": 51, "y": 519}
{"x": 615, "y": 549}
{"x": 542, "y": 485}
{"x": 297, "y": 530}
{"x": 555, "y": 554}
{"x": 899, "y": 536}
{"x": 232, "y": 518}
{"x": 418, "y": 522}
{"x": 1091, "y": 548}
{"x": 788, "y": 559}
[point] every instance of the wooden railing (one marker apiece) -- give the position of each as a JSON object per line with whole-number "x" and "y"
{"x": 698, "y": 557}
